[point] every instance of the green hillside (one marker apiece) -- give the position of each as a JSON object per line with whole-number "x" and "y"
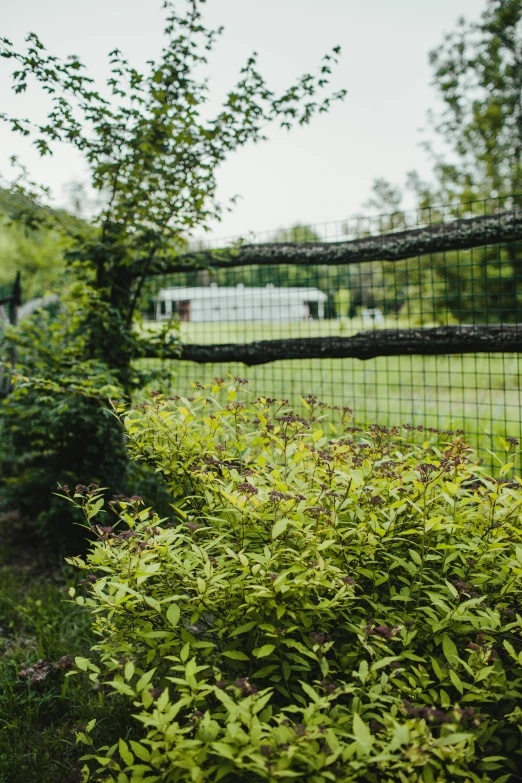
{"x": 37, "y": 251}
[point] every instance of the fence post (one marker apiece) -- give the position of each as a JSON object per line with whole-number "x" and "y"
{"x": 16, "y": 300}
{"x": 13, "y": 301}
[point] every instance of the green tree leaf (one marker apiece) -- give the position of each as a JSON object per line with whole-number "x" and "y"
{"x": 173, "y": 614}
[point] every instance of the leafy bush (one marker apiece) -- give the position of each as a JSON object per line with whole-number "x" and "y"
{"x": 54, "y": 426}
{"x": 329, "y": 604}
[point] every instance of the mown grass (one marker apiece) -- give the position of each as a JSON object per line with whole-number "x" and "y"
{"x": 480, "y": 394}
{"x": 39, "y": 721}
{"x": 247, "y": 331}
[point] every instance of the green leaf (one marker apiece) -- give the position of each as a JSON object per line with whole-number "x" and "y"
{"x": 261, "y": 702}
{"x": 265, "y": 671}
{"x": 150, "y": 601}
{"x": 505, "y": 445}
{"x": 144, "y": 680}
{"x": 444, "y": 698}
{"x": 457, "y": 682}
{"x": 142, "y": 753}
{"x": 243, "y": 628}
{"x": 438, "y": 671}
{"x": 383, "y": 662}
{"x": 279, "y": 528}
{"x": 129, "y": 670}
{"x": 310, "y": 692}
{"x": 121, "y": 687}
{"x": 224, "y": 750}
{"x": 362, "y": 734}
{"x": 125, "y": 753}
{"x": 262, "y": 652}
{"x": 163, "y": 700}
{"x": 235, "y": 655}
{"x": 453, "y": 739}
{"x": 506, "y": 468}
{"x": 415, "y": 556}
{"x": 449, "y": 649}
{"x": 173, "y": 614}
{"x": 363, "y": 670}
{"x": 82, "y": 663}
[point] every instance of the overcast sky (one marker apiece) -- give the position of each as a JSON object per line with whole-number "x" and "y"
{"x": 315, "y": 174}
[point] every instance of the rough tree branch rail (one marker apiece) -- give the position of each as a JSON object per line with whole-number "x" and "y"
{"x": 396, "y": 246}
{"x": 364, "y": 345}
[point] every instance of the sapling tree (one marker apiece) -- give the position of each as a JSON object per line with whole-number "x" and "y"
{"x": 153, "y": 150}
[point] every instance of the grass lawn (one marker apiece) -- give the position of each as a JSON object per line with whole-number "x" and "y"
{"x": 478, "y": 393}
{"x": 40, "y": 708}
{"x": 247, "y": 331}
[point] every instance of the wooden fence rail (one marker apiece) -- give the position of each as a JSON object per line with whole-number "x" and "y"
{"x": 500, "y": 338}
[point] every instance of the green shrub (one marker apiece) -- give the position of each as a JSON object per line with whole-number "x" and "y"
{"x": 54, "y": 426}
{"x": 329, "y": 604}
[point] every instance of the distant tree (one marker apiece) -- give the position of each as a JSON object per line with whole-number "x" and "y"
{"x": 478, "y": 75}
{"x": 385, "y": 197}
{"x": 343, "y": 298}
{"x": 296, "y": 233}
{"x": 37, "y": 254}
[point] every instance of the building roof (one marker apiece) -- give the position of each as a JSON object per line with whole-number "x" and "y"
{"x": 214, "y": 292}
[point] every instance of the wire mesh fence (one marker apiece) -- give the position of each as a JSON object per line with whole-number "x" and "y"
{"x": 453, "y": 286}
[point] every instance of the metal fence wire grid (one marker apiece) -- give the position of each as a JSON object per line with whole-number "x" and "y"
{"x": 405, "y": 318}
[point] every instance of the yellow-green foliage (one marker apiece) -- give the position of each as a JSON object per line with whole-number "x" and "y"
{"x": 326, "y": 604}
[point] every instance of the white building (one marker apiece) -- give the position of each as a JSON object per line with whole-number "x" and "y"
{"x": 241, "y": 303}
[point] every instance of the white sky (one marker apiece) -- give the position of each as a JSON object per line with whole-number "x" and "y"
{"x": 315, "y": 174}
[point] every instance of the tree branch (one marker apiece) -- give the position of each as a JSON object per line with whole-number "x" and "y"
{"x": 437, "y": 238}
{"x": 364, "y": 345}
